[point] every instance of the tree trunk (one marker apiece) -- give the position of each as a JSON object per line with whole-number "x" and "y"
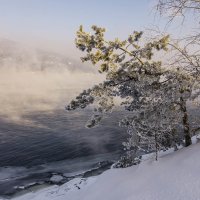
{"x": 185, "y": 121}
{"x": 156, "y": 144}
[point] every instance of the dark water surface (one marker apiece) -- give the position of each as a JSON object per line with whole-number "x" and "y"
{"x": 57, "y": 143}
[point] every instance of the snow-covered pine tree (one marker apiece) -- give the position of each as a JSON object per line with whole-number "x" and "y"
{"x": 148, "y": 91}
{"x": 156, "y": 117}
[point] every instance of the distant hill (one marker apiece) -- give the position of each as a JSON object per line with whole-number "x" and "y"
{"x": 13, "y": 54}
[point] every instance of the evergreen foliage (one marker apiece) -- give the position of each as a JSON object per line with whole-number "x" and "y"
{"x": 154, "y": 95}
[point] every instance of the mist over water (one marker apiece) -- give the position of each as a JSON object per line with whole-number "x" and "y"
{"x": 34, "y": 80}
{"x": 24, "y": 91}
{"x": 37, "y": 136}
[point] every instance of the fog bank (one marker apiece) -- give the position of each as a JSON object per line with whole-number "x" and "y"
{"x": 37, "y": 81}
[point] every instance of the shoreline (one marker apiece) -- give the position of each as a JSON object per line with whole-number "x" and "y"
{"x": 57, "y": 179}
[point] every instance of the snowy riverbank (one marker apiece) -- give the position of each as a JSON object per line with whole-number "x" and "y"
{"x": 174, "y": 176}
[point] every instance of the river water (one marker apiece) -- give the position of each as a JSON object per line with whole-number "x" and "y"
{"x": 57, "y": 143}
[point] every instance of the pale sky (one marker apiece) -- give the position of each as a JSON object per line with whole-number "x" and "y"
{"x": 53, "y": 23}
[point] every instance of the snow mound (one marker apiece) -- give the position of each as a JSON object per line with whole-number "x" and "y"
{"x": 174, "y": 176}
{"x": 56, "y": 178}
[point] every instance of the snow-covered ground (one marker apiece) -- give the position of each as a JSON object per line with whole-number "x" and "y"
{"x": 175, "y": 176}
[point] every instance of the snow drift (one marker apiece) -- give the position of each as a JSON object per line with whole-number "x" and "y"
{"x": 174, "y": 176}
